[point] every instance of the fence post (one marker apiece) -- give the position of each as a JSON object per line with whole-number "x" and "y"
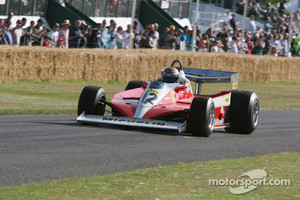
{"x": 195, "y": 25}
{"x": 33, "y": 7}
{"x": 220, "y": 16}
{"x": 212, "y": 19}
{"x": 132, "y": 20}
{"x": 234, "y": 6}
{"x": 290, "y": 27}
{"x": 244, "y": 20}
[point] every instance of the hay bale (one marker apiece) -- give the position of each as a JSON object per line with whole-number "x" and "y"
{"x": 36, "y": 63}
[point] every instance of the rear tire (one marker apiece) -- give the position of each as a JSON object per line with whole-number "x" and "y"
{"x": 202, "y": 116}
{"x": 134, "y": 84}
{"x": 243, "y": 112}
{"x": 89, "y": 101}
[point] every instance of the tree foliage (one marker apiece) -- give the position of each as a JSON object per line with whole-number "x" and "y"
{"x": 272, "y": 1}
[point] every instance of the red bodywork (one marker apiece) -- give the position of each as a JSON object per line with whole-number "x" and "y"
{"x": 177, "y": 100}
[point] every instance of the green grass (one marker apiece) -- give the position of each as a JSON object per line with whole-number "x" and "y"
{"x": 273, "y": 96}
{"x": 181, "y": 181}
{"x": 61, "y": 97}
{"x": 47, "y": 96}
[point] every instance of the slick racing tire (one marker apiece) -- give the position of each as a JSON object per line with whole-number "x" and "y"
{"x": 89, "y": 101}
{"x": 243, "y": 112}
{"x": 202, "y": 116}
{"x": 134, "y": 84}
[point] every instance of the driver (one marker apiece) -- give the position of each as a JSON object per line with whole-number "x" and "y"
{"x": 170, "y": 75}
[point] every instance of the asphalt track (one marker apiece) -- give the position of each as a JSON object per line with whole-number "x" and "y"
{"x": 41, "y": 148}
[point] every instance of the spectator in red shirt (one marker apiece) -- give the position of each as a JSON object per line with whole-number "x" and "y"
{"x": 60, "y": 43}
{"x": 249, "y": 43}
{"x": 48, "y": 41}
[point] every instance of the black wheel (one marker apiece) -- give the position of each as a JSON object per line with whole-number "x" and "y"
{"x": 89, "y": 101}
{"x": 202, "y": 116}
{"x": 134, "y": 84}
{"x": 243, "y": 112}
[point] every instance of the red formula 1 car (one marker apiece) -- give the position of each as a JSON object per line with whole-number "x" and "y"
{"x": 169, "y": 103}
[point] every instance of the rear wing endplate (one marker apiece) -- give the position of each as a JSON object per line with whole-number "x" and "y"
{"x": 212, "y": 76}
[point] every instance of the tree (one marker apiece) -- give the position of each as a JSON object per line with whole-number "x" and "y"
{"x": 272, "y": 1}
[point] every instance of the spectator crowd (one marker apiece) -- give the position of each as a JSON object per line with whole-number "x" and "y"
{"x": 271, "y": 39}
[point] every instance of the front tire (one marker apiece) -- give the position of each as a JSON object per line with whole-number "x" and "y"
{"x": 90, "y": 101}
{"x": 243, "y": 112}
{"x": 202, "y": 116}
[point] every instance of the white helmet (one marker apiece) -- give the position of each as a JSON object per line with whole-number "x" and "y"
{"x": 170, "y": 75}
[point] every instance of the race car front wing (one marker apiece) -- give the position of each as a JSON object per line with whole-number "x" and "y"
{"x": 133, "y": 122}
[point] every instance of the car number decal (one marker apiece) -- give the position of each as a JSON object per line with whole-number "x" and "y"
{"x": 152, "y": 97}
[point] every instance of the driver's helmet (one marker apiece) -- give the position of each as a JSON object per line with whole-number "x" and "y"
{"x": 170, "y": 75}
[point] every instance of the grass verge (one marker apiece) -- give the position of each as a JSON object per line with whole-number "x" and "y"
{"x": 181, "y": 181}
{"x": 61, "y": 97}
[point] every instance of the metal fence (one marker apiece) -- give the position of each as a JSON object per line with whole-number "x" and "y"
{"x": 122, "y": 8}
{"x": 104, "y": 8}
{"x": 94, "y": 8}
{"x": 175, "y": 8}
{"x": 208, "y": 20}
{"x": 24, "y": 7}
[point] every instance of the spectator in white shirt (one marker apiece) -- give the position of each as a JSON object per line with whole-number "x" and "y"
{"x": 54, "y": 34}
{"x": 64, "y": 33}
{"x": 155, "y": 43}
{"x": 297, "y": 19}
{"x": 284, "y": 44}
{"x": 150, "y": 40}
{"x": 119, "y": 38}
{"x": 127, "y": 35}
{"x": 252, "y": 24}
{"x": 17, "y": 33}
{"x": 275, "y": 46}
{"x": 214, "y": 47}
{"x": 233, "y": 46}
{"x": 227, "y": 18}
{"x": 104, "y": 33}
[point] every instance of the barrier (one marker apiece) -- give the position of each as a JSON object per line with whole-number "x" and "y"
{"x": 36, "y": 63}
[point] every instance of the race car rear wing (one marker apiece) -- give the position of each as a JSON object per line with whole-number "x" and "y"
{"x": 200, "y": 76}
